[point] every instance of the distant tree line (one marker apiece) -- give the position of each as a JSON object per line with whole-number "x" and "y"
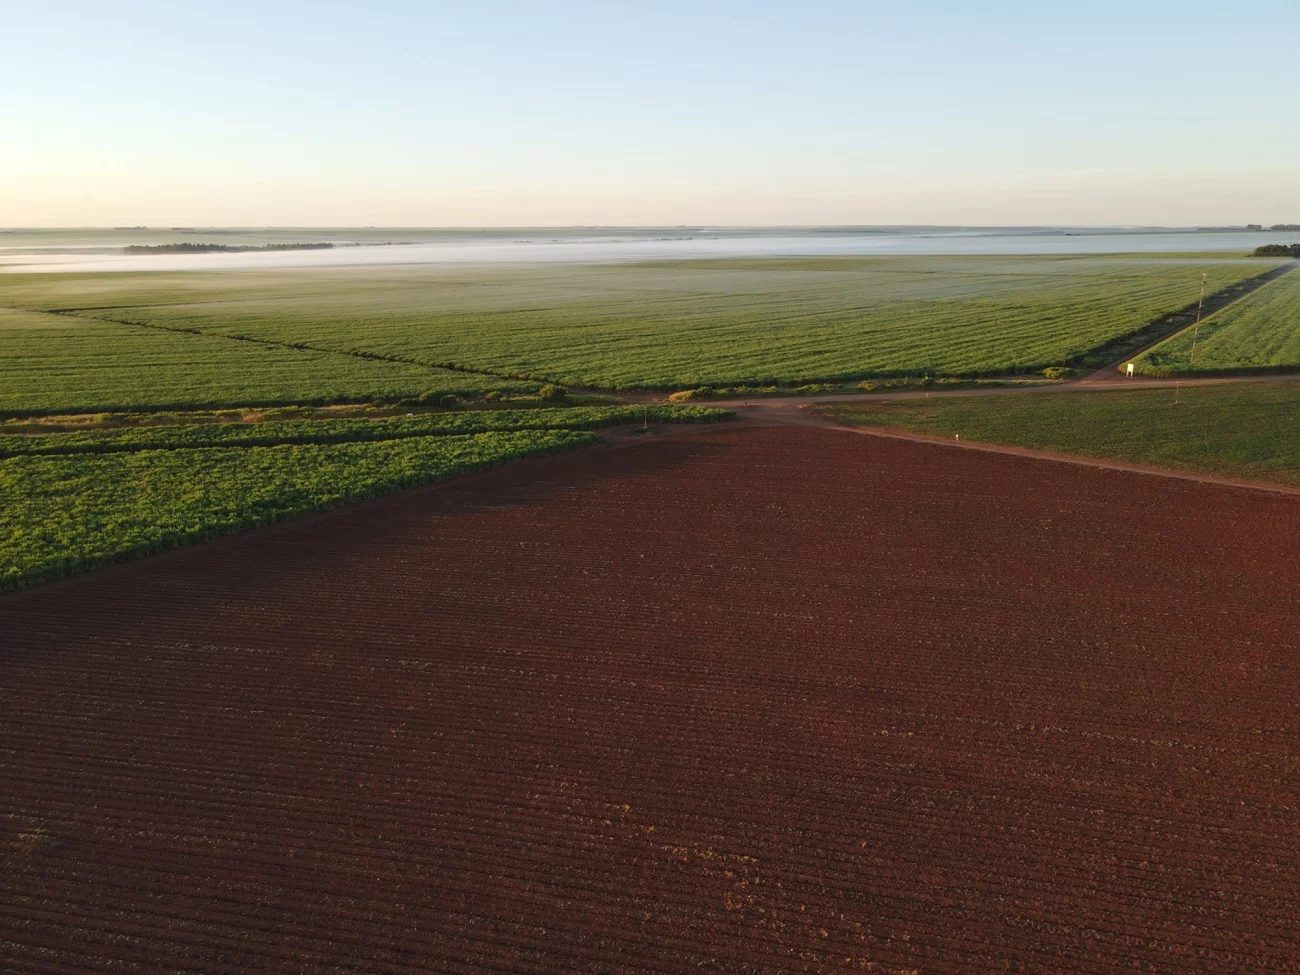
{"x": 222, "y": 248}
{"x": 1279, "y": 250}
{"x": 1291, "y": 227}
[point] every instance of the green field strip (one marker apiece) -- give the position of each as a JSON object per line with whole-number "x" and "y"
{"x": 1259, "y": 333}
{"x": 61, "y": 363}
{"x": 272, "y": 432}
{"x": 510, "y": 382}
{"x": 1242, "y": 429}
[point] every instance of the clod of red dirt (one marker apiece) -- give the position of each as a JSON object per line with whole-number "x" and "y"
{"x": 745, "y": 700}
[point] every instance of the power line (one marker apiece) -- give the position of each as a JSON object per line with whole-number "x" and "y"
{"x": 1196, "y": 332}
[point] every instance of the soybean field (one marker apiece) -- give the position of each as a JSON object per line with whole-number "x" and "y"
{"x": 61, "y": 363}
{"x": 664, "y": 325}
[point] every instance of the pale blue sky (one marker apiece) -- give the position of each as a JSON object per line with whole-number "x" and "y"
{"x": 501, "y": 113}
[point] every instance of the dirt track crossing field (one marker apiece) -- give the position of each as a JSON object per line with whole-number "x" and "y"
{"x": 736, "y": 700}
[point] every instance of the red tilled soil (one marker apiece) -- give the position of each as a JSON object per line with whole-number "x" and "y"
{"x": 742, "y": 700}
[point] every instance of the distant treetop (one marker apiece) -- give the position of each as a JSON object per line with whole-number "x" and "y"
{"x": 1279, "y": 250}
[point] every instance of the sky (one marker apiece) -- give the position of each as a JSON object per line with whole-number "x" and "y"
{"x": 489, "y": 113}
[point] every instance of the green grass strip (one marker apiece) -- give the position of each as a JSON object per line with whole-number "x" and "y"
{"x": 1242, "y": 429}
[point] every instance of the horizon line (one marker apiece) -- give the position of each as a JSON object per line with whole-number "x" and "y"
{"x": 648, "y": 226}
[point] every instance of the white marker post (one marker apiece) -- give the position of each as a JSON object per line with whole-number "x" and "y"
{"x": 1129, "y": 371}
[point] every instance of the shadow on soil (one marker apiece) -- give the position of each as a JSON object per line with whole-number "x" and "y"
{"x": 201, "y": 579}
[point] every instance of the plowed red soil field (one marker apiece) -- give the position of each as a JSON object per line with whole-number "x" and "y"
{"x": 736, "y": 700}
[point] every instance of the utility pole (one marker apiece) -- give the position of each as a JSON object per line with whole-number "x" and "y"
{"x": 1196, "y": 328}
{"x": 1196, "y": 333}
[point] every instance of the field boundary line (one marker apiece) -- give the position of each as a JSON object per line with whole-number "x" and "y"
{"x": 1079, "y": 460}
{"x": 294, "y": 346}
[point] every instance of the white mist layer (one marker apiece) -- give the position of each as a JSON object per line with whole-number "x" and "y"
{"x": 93, "y": 256}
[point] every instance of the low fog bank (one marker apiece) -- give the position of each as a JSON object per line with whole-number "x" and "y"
{"x": 36, "y": 251}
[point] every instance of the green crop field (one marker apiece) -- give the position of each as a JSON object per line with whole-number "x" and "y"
{"x": 60, "y": 363}
{"x": 1260, "y": 332}
{"x": 1240, "y": 429}
{"x": 147, "y": 343}
{"x": 271, "y": 432}
{"x": 69, "y": 501}
{"x": 646, "y": 325}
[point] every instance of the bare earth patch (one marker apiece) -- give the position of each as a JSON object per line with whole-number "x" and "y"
{"x": 743, "y": 700}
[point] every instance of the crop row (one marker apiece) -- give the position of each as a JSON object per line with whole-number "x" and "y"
{"x": 272, "y": 432}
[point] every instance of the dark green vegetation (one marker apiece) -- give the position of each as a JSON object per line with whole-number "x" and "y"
{"x": 1261, "y": 333}
{"x": 396, "y": 330}
{"x": 188, "y": 248}
{"x": 270, "y": 432}
{"x": 1278, "y": 250}
{"x": 1242, "y": 429}
{"x": 72, "y": 501}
